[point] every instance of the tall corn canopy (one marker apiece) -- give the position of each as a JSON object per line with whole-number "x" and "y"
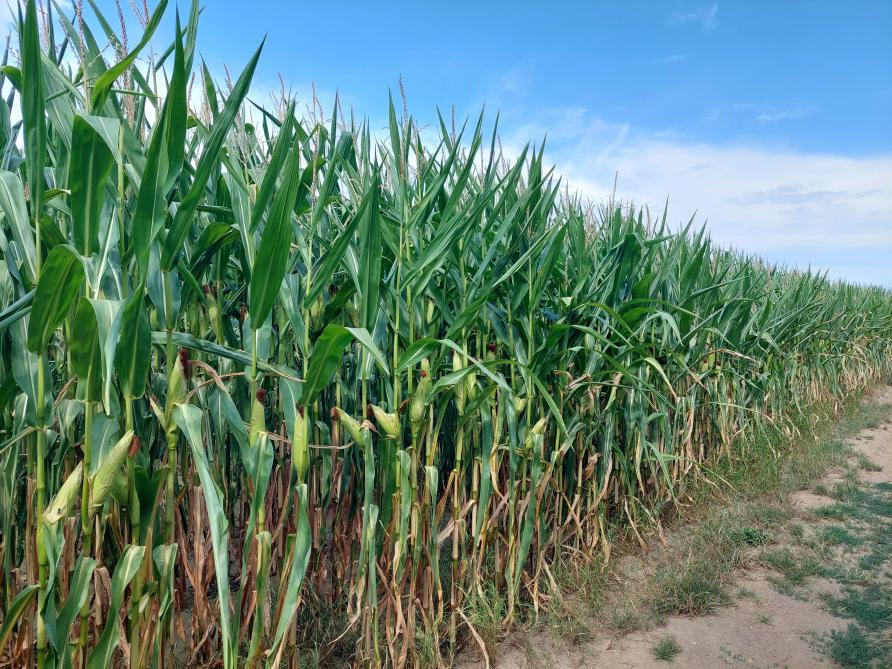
{"x": 288, "y": 387}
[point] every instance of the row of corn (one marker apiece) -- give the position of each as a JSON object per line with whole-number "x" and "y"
{"x": 284, "y": 391}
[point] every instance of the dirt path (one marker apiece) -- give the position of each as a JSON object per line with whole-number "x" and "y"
{"x": 815, "y": 592}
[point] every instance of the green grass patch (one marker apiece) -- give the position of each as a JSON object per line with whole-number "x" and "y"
{"x": 795, "y": 567}
{"x": 751, "y": 536}
{"x": 666, "y": 648}
{"x": 788, "y": 589}
{"x": 746, "y": 593}
{"x": 836, "y": 535}
{"x": 867, "y": 464}
{"x": 852, "y": 648}
{"x": 871, "y": 606}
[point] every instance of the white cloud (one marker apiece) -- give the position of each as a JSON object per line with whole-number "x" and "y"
{"x": 758, "y": 198}
{"x": 705, "y": 16}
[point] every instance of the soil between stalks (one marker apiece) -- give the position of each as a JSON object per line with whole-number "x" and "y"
{"x": 813, "y": 590}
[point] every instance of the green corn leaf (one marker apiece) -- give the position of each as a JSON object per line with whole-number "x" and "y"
{"x": 33, "y": 105}
{"x": 277, "y": 162}
{"x": 108, "y": 130}
{"x": 78, "y": 590}
{"x": 103, "y": 84}
{"x": 326, "y": 357}
{"x": 18, "y": 607}
{"x": 133, "y": 353}
{"x": 324, "y": 360}
{"x": 127, "y": 566}
{"x": 179, "y": 227}
{"x": 189, "y": 419}
{"x": 86, "y": 352}
{"x": 370, "y": 258}
{"x": 24, "y": 370}
{"x": 108, "y": 324}
{"x": 90, "y": 164}
{"x": 60, "y": 281}
{"x": 12, "y": 201}
{"x": 275, "y": 244}
{"x": 300, "y": 558}
{"x": 164, "y": 160}
{"x": 165, "y": 558}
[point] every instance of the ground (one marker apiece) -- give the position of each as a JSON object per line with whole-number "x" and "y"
{"x": 770, "y": 576}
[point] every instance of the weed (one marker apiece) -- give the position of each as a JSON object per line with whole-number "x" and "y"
{"x": 666, "y": 648}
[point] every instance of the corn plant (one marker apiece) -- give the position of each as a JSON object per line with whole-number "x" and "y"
{"x": 276, "y": 388}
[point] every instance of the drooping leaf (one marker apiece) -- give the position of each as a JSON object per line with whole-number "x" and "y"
{"x": 60, "y": 281}
{"x": 326, "y": 357}
{"x": 78, "y": 590}
{"x": 16, "y": 610}
{"x": 12, "y": 202}
{"x": 127, "y": 566}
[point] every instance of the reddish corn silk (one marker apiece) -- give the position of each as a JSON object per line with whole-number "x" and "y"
{"x": 335, "y": 414}
{"x": 261, "y": 395}
{"x": 422, "y": 374}
{"x": 134, "y": 446}
{"x": 184, "y": 361}
{"x": 491, "y": 347}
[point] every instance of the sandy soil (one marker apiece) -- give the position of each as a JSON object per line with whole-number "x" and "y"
{"x": 764, "y": 629}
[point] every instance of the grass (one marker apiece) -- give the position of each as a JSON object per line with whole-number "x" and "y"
{"x": 836, "y": 535}
{"x": 868, "y": 465}
{"x": 853, "y": 648}
{"x": 870, "y": 607}
{"x": 666, "y": 649}
{"x": 696, "y": 591}
{"x": 795, "y": 567}
{"x": 752, "y": 536}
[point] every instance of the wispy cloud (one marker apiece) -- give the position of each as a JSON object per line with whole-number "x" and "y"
{"x": 758, "y": 198}
{"x": 673, "y": 58}
{"x": 773, "y": 116}
{"x": 760, "y": 112}
{"x": 705, "y": 16}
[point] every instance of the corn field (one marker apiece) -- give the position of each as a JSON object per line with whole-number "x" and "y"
{"x": 291, "y": 391}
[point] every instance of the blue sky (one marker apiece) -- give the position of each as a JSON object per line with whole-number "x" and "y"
{"x": 810, "y": 75}
{"x": 772, "y": 120}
